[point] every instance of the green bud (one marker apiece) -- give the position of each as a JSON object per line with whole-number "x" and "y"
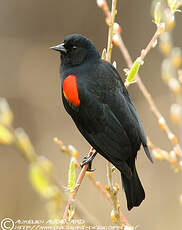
{"x": 104, "y": 54}
{"x": 23, "y": 142}
{"x": 157, "y": 13}
{"x": 71, "y": 212}
{"x": 173, "y": 5}
{"x": 133, "y": 71}
{"x": 167, "y": 72}
{"x": 72, "y": 175}
{"x": 6, "y": 115}
{"x": 165, "y": 43}
{"x": 6, "y": 136}
{"x": 176, "y": 56}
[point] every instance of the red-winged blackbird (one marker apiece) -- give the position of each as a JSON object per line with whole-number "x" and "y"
{"x": 95, "y": 97}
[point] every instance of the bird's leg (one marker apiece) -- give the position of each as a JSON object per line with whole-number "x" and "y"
{"x": 88, "y": 160}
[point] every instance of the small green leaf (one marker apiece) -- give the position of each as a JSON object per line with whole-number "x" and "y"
{"x": 71, "y": 175}
{"x": 133, "y": 71}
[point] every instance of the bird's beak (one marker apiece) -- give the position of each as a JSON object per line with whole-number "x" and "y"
{"x": 59, "y": 48}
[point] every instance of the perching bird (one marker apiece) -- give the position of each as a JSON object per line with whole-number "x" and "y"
{"x": 95, "y": 97}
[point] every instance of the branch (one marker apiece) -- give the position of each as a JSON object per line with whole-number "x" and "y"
{"x": 151, "y": 44}
{"x": 111, "y": 29}
{"x": 161, "y": 154}
{"x": 113, "y": 191}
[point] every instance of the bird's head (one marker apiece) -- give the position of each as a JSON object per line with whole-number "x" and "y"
{"x": 76, "y": 49}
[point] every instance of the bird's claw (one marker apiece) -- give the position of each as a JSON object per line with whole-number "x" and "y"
{"x": 88, "y": 160}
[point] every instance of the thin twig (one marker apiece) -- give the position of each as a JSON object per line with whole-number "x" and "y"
{"x": 99, "y": 186}
{"x": 111, "y": 29}
{"x": 161, "y": 154}
{"x": 109, "y": 175}
{"x": 113, "y": 191}
{"x": 160, "y": 29}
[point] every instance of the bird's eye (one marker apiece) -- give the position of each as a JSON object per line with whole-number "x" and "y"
{"x": 74, "y": 47}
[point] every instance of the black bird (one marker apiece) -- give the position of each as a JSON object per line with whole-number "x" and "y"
{"x": 95, "y": 97}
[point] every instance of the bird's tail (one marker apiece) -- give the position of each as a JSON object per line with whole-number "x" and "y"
{"x": 133, "y": 189}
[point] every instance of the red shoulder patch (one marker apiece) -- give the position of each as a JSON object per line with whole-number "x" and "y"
{"x": 105, "y": 60}
{"x": 70, "y": 90}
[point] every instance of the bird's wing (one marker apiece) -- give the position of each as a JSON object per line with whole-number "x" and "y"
{"x": 141, "y": 131}
{"x": 138, "y": 125}
{"x": 99, "y": 125}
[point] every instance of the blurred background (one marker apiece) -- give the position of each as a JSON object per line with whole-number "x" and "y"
{"x": 29, "y": 80}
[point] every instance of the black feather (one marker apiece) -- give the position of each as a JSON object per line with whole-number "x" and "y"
{"x": 133, "y": 189}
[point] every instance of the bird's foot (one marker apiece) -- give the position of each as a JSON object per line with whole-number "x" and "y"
{"x": 88, "y": 160}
